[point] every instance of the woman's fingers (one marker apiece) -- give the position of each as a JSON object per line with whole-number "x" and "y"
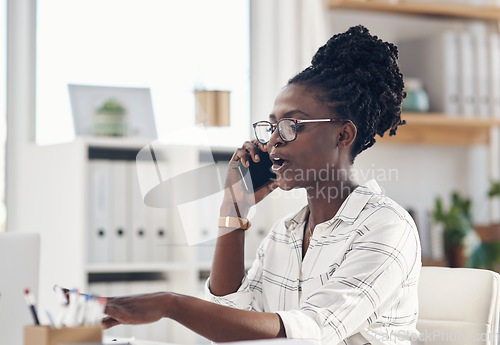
{"x": 109, "y": 322}
{"x": 262, "y": 147}
{"x": 249, "y": 150}
{"x": 253, "y": 149}
{"x": 136, "y": 309}
{"x": 235, "y": 194}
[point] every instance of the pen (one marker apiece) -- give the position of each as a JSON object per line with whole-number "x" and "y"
{"x": 71, "y": 313}
{"x": 30, "y": 301}
{"x": 51, "y": 320}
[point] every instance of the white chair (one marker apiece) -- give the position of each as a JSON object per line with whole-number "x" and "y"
{"x": 458, "y": 306}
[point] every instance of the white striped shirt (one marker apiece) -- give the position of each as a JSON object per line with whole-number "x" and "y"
{"x": 357, "y": 283}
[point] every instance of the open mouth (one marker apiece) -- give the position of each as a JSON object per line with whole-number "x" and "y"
{"x": 279, "y": 164}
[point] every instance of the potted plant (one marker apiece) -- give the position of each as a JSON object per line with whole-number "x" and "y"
{"x": 456, "y": 222}
{"x": 110, "y": 119}
{"x": 487, "y": 253}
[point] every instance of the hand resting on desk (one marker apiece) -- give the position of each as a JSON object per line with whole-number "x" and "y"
{"x": 135, "y": 309}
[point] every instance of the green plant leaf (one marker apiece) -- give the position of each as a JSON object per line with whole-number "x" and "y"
{"x": 494, "y": 190}
{"x": 457, "y": 220}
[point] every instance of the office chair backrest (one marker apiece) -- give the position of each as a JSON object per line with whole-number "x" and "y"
{"x": 458, "y": 306}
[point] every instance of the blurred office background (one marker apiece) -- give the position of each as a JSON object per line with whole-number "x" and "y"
{"x": 67, "y": 186}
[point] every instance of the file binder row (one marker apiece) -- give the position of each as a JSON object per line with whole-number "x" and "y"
{"x": 460, "y": 70}
{"x": 208, "y": 213}
{"x": 121, "y": 227}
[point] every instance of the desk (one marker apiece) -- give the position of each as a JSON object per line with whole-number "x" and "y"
{"x": 148, "y": 342}
{"x": 279, "y": 341}
{"x": 132, "y": 341}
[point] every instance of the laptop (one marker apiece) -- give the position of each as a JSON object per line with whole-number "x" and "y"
{"x": 19, "y": 266}
{"x": 86, "y": 99}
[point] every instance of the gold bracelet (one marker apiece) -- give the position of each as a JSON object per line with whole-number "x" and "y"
{"x": 234, "y": 223}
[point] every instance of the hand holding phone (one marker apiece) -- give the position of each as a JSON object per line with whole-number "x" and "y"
{"x": 258, "y": 174}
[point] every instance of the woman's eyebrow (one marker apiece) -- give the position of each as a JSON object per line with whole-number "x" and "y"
{"x": 289, "y": 114}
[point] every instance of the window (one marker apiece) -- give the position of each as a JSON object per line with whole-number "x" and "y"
{"x": 173, "y": 47}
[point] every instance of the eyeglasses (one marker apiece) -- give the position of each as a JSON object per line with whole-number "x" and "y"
{"x": 287, "y": 128}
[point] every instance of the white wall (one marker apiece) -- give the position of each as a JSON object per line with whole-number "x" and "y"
{"x": 3, "y": 123}
{"x": 21, "y": 32}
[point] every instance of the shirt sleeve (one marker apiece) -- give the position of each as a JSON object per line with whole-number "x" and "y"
{"x": 248, "y": 296}
{"x": 381, "y": 265}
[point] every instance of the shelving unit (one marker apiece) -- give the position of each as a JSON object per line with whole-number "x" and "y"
{"x": 57, "y": 200}
{"x": 434, "y": 128}
{"x": 419, "y": 8}
{"x": 440, "y": 129}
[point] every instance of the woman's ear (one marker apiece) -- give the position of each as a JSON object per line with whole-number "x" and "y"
{"x": 347, "y": 134}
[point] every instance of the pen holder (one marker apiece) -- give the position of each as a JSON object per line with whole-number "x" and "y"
{"x": 46, "y": 335}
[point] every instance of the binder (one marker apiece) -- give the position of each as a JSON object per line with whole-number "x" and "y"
{"x": 480, "y": 51}
{"x": 434, "y": 60}
{"x": 140, "y": 225}
{"x": 494, "y": 52}
{"x": 467, "y": 80}
{"x": 161, "y": 234}
{"x": 99, "y": 224}
{"x": 119, "y": 200}
{"x": 208, "y": 210}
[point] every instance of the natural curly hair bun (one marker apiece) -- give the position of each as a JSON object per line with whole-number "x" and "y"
{"x": 357, "y": 75}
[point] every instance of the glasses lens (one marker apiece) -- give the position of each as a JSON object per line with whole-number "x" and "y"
{"x": 263, "y": 131}
{"x": 287, "y": 129}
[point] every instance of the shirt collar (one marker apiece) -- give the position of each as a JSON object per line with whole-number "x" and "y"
{"x": 298, "y": 218}
{"x": 356, "y": 201}
{"x": 350, "y": 208}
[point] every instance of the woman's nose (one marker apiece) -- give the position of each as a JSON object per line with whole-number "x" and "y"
{"x": 275, "y": 140}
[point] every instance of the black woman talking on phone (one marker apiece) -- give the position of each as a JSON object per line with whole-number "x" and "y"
{"x": 345, "y": 267}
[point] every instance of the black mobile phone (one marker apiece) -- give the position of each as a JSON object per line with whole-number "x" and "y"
{"x": 258, "y": 174}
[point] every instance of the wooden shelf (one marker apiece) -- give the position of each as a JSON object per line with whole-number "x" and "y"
{"x": 420, "y": 8}
{"x": 440, "y": 129}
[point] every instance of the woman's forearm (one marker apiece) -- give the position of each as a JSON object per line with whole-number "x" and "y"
{"x": 228, "y": 265}
{"x": 220, "y": 323}
{"x": 213, "y": 321}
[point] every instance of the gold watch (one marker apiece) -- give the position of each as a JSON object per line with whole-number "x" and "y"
{"x": 234, "y": 223}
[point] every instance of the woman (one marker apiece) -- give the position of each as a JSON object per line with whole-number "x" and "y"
{"x": 344, "y": 268}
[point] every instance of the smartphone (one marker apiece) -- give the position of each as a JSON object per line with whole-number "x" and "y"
{"x": 258, "y": 174}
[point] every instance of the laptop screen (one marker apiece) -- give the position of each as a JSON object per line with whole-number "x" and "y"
{"x": 19, "y": 266}
{"x": 135, "y": 103}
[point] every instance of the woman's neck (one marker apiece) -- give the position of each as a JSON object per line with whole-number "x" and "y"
{"x": 325, "y": 200}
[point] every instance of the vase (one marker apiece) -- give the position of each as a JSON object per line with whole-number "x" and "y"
{"x": 455, "y": 256}
{"x": 416, "y": 98}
